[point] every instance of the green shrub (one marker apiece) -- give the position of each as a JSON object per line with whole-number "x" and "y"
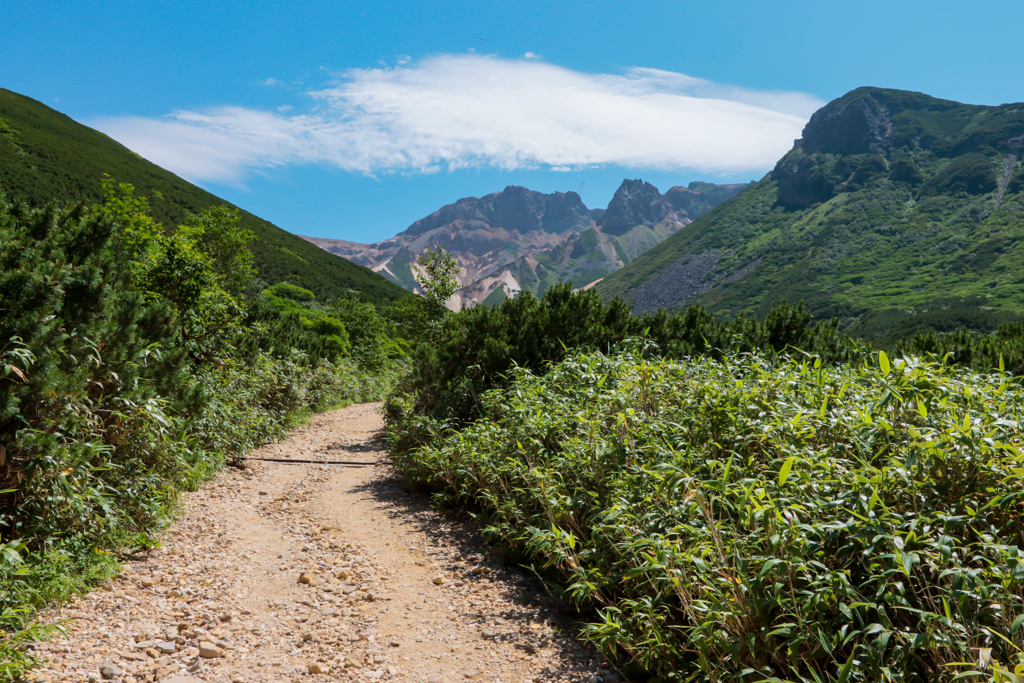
{"x": 280, "y": 332}
{"x": 286, "y": 290}
{"x": 972, "y": 173}
{"x": 1016, "y": 182}
{"x": 755, "y": 519}
{"x": 374, "y": 340}
{"x": 477, "y": 348}
{"x": 904, "y": 170}
{"x": 130, "y": 370}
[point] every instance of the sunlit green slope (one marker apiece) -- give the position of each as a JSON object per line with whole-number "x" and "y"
{"x": 895, "y": 212}
{"x": 46, "y": 156}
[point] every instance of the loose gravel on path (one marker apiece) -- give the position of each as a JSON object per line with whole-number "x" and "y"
{"x": 282, "y": 572}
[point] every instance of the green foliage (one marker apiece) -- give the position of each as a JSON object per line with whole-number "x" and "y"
{"x": 131, "y": 368}
{"x": 46, "y": 156}
{"x": 286, "y": 290}
{"x": 755, "y": 518}
{"x": 278, "y": 332}
{"x": 588, "y": 239}
{"x": 1016, "y": 183}
{"x": 85, "y": 405}
{"x": 219, "y": 234}
{"x": 971, "y": 173}
{"x": 904, "y": 170}
{"x": 423, "y": 314}
{"x": 375, "y": 340}
{"x": 440, "y": 270}
{"x": 1002, "y": 350}
{"x": 476, "y": 350}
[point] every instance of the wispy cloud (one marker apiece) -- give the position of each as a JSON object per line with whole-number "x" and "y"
{"x": 453, "y": 112}
{"x": 269, "y": 82}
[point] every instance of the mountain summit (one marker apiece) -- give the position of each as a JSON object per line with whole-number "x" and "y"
{"x": 893, "y": 210}
{"x": 519, "y": 239}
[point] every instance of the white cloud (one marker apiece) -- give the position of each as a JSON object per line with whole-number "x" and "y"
{"x": 285, "y": 108}
{"x": 532, "y": 55}
{"x": 451, "y": 112}
{"x": 270, "y": 82}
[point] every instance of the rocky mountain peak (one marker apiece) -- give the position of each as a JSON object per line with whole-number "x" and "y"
{"x": 856, "y": 124}
{"x": 873, "y": 134}
{"x": 520, "y": 239}
{"x": 515, "y": 209}
{"x": 634, "y": 203}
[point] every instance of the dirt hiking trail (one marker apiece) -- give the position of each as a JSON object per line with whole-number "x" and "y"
{"x": 314, "y": 572}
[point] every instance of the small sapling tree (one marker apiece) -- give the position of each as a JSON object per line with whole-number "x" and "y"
{"x": 438, "y": 283}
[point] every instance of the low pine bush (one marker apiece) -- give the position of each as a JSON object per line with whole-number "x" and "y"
{"x": 755, "y": 518}
{"x": 475, "y": 350}
{"x": 132, "y": 367}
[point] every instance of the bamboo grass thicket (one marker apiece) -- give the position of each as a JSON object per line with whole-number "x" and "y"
{"x": 756, "y": 518}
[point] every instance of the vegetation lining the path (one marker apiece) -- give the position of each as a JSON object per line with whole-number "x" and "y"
{"x": 759, "y": 519}
{"x": 135, "y": 360}
{"x": 749, "y": 500}
{"x": 475, "y": 350}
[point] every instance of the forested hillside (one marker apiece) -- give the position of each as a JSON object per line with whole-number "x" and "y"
{"x": 895, "y": 212}
{"x": 45, "y": 156}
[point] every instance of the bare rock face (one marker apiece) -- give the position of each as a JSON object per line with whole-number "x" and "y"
{"x": 849, "y": 125}
{"x": 519, "y": 239}
{"x": 635, "y": 203}
{"x": 815, "y": 170}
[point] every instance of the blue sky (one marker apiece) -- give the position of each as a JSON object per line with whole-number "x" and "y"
{"x": 353, "y": 119}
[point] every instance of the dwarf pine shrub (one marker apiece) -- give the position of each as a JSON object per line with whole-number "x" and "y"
{"x": 131, "y": 368}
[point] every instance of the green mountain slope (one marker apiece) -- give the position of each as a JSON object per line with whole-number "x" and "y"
{"x": 895, "y": 211}
{"x": 44, "y": 156}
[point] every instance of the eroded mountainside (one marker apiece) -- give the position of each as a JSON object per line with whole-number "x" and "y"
{"x": 895, "y": 211}
{"x": 519, "y": 239}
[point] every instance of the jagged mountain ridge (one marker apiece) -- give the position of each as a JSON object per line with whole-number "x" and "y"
{"x": 519, "y": 239}
{"x": 895, "y": 211}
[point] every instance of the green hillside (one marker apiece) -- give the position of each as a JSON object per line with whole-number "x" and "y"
{"x": 896, "y": 212}
{"x": 44, "y": 156}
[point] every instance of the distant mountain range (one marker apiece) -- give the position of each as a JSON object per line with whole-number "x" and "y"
{"x": 895, "y": 212}
{"x": 46, "y": 156}
{"x": 518, "y": 239}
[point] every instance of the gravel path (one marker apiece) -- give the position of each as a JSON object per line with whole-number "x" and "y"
{"x": 309, "y": 572}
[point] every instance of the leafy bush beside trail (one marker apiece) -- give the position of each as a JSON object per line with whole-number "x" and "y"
{"x": 475, "y": 350}
{"x": 755, "y": 518}
{"x": 132, "y": 367}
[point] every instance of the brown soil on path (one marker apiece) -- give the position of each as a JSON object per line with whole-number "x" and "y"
{"x": 316, "y": 572}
